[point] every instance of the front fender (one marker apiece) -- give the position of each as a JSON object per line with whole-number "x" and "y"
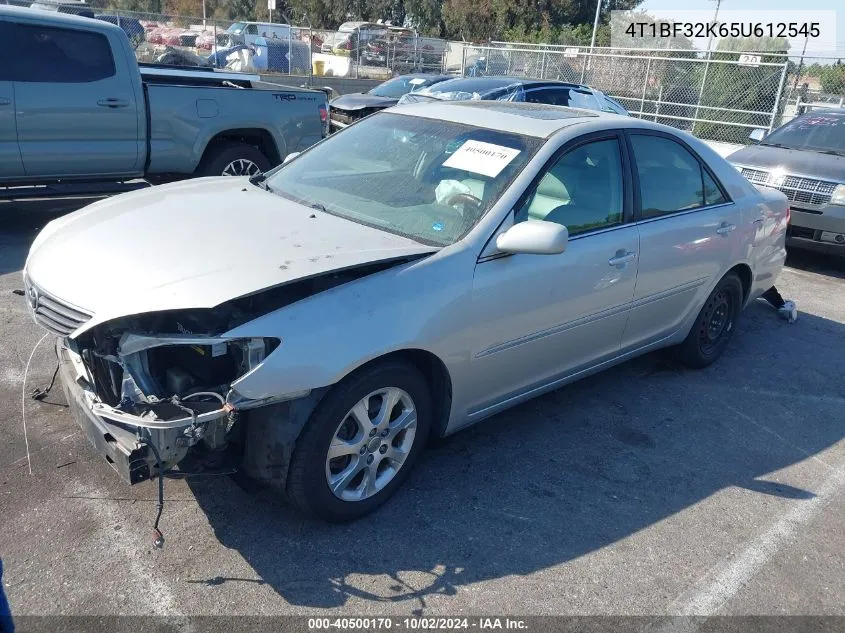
{"x": 420, "y": 305}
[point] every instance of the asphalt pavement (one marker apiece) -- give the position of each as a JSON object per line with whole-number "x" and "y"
{"x": 649, "y": 489}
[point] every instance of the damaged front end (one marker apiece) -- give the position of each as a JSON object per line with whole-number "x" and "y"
{"x": 171, "y": 391}
{"x": 154, "y": 388}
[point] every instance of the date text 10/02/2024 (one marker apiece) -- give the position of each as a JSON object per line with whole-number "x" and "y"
{"x": 417, "y": 623}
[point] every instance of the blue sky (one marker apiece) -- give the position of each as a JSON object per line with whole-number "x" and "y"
{"x": 758, "y": 8}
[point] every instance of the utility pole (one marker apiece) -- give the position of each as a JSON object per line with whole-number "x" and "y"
{"x": 715, "y": 17}
{"x": 595, "y": 24}
{"x": 706, "y": 68}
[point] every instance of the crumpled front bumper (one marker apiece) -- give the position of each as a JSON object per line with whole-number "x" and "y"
{"x": 118, "y": 444}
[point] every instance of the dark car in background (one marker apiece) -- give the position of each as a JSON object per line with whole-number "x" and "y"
{"x": 349, "y": 108}
{"x": 131, "y": 26}
{"x": 517, "y": 89}
{"x": 805, "y": 159}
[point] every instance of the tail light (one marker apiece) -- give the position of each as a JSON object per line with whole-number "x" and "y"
{"x": 788, "y": 213}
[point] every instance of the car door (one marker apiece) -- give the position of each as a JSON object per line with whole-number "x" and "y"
{"x": 687, "y": 231}
{"x": 11, "y": 165}
{"x": 76, "y": 114}
{"x": 540, "y": 317}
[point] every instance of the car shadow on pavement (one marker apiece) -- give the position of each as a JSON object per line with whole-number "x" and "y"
{"x": 563, "y": 475}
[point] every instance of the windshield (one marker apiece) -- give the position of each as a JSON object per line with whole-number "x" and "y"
{"x": 236, "y": 28}
{"x": 399, "y": 86}
{"x": 818, "y": 132}
{"x": 424, "y": 179}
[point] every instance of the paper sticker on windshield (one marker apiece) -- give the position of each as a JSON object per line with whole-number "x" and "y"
{"x": 481, "y": 158}
{"x": 416, "y": 81}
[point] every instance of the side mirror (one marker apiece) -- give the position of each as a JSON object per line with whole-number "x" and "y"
{"x": 290, "y": 157}
{"x": 757, "y": 134}
{"x": 534, "y": 237}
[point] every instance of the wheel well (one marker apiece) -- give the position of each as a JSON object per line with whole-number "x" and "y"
{"x": 260, "y": 139}
{"x": 437, "y": 376}
{"x": 743, "y": 271}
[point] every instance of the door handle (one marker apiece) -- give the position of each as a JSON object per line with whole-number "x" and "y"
{"x": 111, "y": 102}
{"x": 5, "y": 101}
{"x": 621, "y": 258}
{"x": 725, "y": 229}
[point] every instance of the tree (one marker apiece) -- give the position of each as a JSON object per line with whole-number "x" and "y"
{"x": 471, "y": 20}
{"x": 426, "y": 16}
{"x": 833, "y": 78}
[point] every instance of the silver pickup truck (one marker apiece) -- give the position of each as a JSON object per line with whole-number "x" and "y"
{"x": 76, "y": 106}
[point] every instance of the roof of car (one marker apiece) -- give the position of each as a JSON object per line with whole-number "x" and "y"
{"x": 487, "y": 84}
{"x": 426, "y": 76}
{"x": 531, "y": 119}
{"x": 55, "y": 17}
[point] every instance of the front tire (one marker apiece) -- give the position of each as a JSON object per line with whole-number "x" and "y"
{"x": 714, "y": 326}
{"x": 360, "y": 443}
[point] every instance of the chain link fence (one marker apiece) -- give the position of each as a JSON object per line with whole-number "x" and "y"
{"x": 192, "y": 41}
{"x": 814, "y": 82}
{"x": 718, "y": 97}
{"x": 376, "y": 51}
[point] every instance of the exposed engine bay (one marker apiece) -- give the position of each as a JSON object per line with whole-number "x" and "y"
{"x": 169, "y": 379}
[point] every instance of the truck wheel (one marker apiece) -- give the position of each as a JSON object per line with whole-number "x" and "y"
{"x": 360, "y": 442}
{"x": 233, "y": 159}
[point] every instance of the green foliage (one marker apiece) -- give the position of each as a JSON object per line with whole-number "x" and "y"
{"x": 549, "y": 21}
{"x": 833, "y": 78}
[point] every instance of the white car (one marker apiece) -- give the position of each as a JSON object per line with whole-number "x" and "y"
{"x": 421, "y": 270}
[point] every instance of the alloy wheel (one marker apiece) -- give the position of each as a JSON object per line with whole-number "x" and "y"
{"x": 241, "y": 167}
{"x": 371, "y": 444}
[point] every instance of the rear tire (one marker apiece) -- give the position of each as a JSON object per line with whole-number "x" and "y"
{"x": 318, "y": 484}
{"x": 714, "y": 326}
{"x": 233, "y": 159}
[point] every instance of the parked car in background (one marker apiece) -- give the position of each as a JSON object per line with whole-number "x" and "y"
{"x": 394, "y": 43}
{"x": 517, "y": 89}
{"x": 349, "y": 108}
{"x": 131, "y": 26}
{"x": 352, "y": 38}
{"x": 80, "y": 8}
{"x": 805, "y": 159}
{"x": 77, "y": 106}
{"x": 420, "y": 271}
{"x": 248, "y": 32}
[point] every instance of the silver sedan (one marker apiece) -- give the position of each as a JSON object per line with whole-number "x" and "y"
{"x": 412, "y": 275}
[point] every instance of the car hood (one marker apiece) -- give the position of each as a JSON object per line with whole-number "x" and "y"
{"x": 792, "y": 161}
{"x": 352, "y": 102}
{"x": 195, "y": 244}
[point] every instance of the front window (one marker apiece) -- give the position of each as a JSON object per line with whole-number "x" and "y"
{"x": 237, "y": 28}
{"x": 817, "y": 132}
{"x": 399, "y": 86}
{"x": 428, "y": 180}
{"x": 582, "y": 190}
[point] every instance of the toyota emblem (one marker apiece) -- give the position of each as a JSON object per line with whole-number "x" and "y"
{"x": 33, "y": 298}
